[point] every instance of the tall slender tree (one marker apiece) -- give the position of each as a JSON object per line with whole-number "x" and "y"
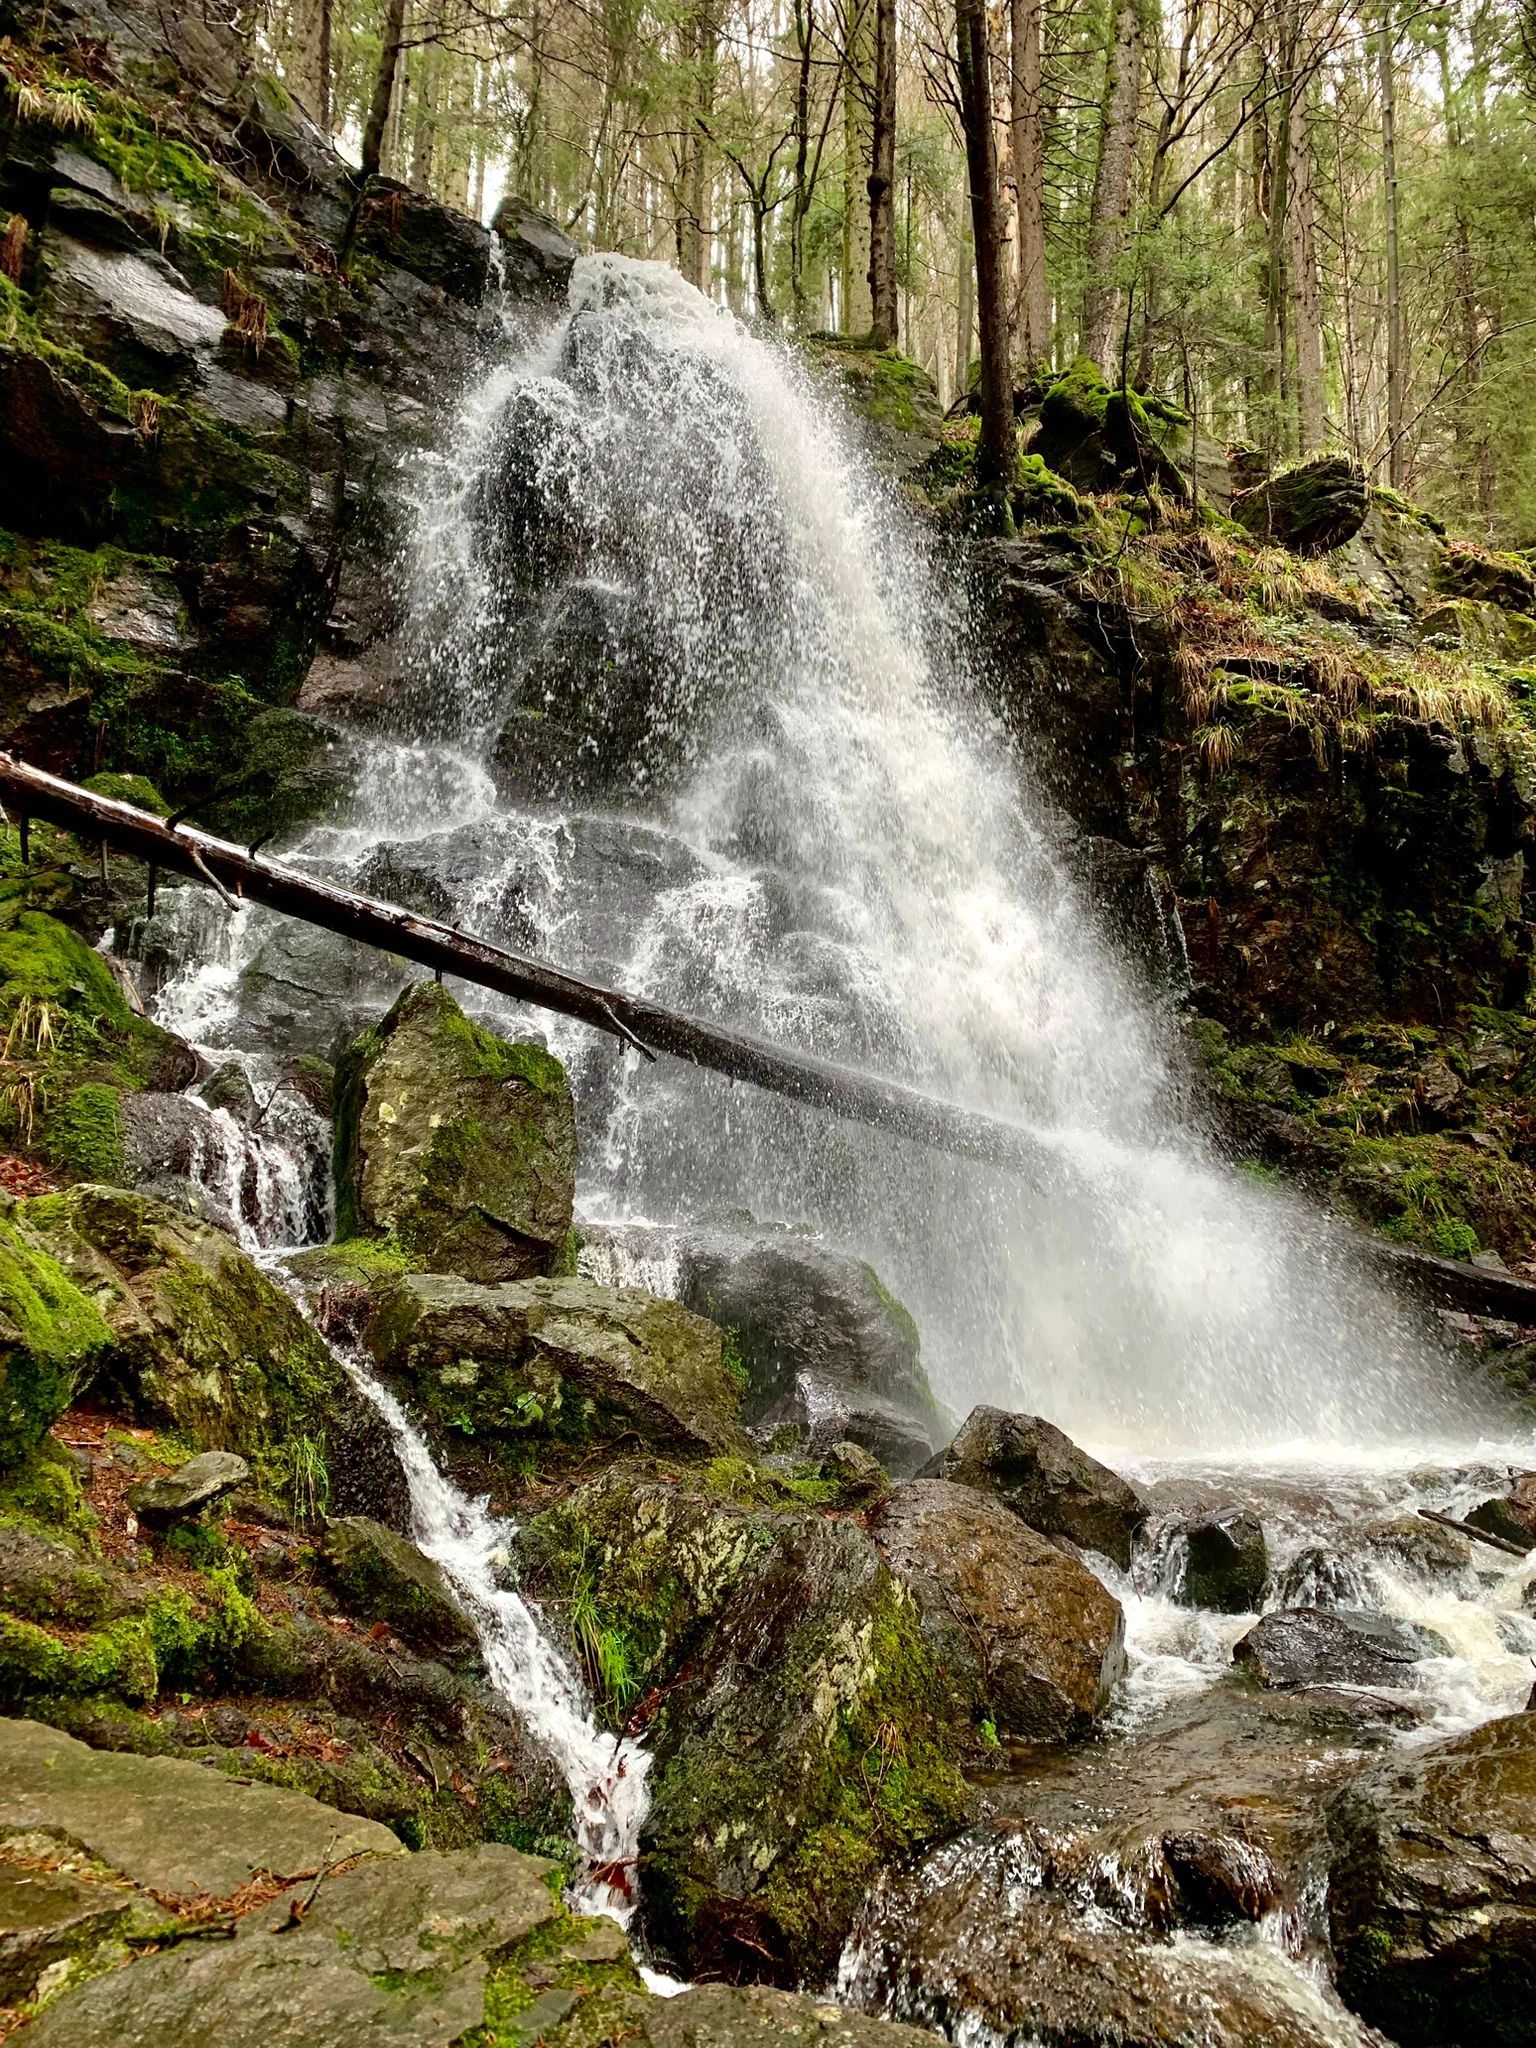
{"x": 996, "y": 452}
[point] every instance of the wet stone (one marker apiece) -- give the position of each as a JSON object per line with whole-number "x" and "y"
{"x": 1302, "y": 1646}
{"x": 1226, "y": 1562}
{"x": 187, "y": 1492}
{"x": 1046, "y": 1480}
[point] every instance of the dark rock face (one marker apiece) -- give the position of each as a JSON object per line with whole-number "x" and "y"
{"x": 1027, "y": 1636}
{"x": 455, "y": 1143}
{"x": 763, "y": 1832}
{"x": 1045, "y": 1479}
{"x": 1511, "y": 1515}
{"x": 1316, "y": 507}
{"x": 537, "y": 255}
{"x": 383, "y": 1575}
{"x": 1226, "y": 1563}
{"x": 1302, "y": 1646}
{"x": 1432, "y": 1893}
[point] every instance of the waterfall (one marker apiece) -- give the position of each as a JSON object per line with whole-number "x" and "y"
{"x": 695, "y": 707}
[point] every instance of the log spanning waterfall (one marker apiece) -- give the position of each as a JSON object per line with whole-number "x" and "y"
{"x": 693, "y": 709}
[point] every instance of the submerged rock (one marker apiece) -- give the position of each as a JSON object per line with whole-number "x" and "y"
{"x": 1301, "y": 1646}
{"x": 1045, "y": 1479}
{"x": 1226, "y": 1562}
{"x": 459, "y": 1145}
{"x": 1028, "y": 1637}
{"x": 803, "y": 1747}
{"x": 1432, "y": 1892}
{"x": 567, "y": 1362}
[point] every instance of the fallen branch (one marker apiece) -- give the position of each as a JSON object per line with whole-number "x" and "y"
{"x": 1478, "y": 1535}
{"x": 234, "y": 871}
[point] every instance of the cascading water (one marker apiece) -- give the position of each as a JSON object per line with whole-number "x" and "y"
{"x": 695, "y": 711}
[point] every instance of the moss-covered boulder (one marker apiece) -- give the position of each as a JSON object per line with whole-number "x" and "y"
{"x": 384, "y": 1577}
{"x": 459, "y": 1145}
{"x": 804, "y": 1747}
{"x": 52, "y": 1340}
{"x": 1311, "y": 509}
{"x": 537, "y": 1364}
{"x": 199, "y": 1338}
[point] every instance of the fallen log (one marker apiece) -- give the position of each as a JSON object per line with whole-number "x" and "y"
{"x": 1478, "y": 1535}
{"x": 1458, "y": 1284}
{"x": 240, "y": 874}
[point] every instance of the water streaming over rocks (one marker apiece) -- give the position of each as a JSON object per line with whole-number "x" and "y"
{"x": 694, "y": 710}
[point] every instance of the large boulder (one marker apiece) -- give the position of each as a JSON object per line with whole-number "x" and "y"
{"x": 459, "y": 1145}
{"x": 1045, "y": 1479}
{"x": 1301, "y": 1646}
{"x": 1318, "y": 506}
{"x": 1511, "y": 1515}
{"x": 198, "y": 1337}
{"x": 52, "y": 1339}
{"x": 382, "y": 1576}
{"x": 537, "y": 255}
{"x": 827, "y": 1350}
{"x": 554, "y": 1362}
{"x": 1030, "y": 1638}
{"x": 802, "y": 1747}
{"x": 1432, "y": 1893}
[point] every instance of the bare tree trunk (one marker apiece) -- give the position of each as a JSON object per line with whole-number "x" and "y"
{"x": 1028, "y": 116}
{"x": 1352, "y": 428}
{"x": 698, "y": 225}
{"x": 882, "y": 182}
{"x": 383, "y": 88}
{"x": 800, "y": 199}
{"x": 323, "y": 65}
{"x": 858, "y": 94}
{"x": 996, "y": 454}
{"x": 1386, "y": 57}
{"x": 1112, "y": 180}
{"x": 1307, "y": 294}
{"x": 1276, "y": 280}
{"x": 1478, "y": 447}
{"x": 965, "y": 292}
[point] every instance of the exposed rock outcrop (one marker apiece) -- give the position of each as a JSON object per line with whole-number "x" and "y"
{"x": 1046, "y": 1480}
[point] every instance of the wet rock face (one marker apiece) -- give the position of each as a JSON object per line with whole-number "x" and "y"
{"x": 455, "y": 1143}
{"x": 383, "y": 1575}
{"x": 1226, "y": 1562}
{"x": 1304, "y": 1646}
{"x": 1028, "y": 1636}
{"x": 803, "y": 1747}
{"x": 1511, "y": 1515}
{"x": 974, "y": 1939}
{"x": 1432, "y": 1893}
{"x": 554, "y": 1362}
{"x": 1046, "y": 1480}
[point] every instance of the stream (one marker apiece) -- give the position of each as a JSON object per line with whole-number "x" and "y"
{"x": 692, "y": 707}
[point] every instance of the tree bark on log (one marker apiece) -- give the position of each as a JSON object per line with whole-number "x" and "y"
{"x": 891, "y": 1106}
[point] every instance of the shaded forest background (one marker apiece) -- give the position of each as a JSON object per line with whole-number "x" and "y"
{"x": 1312, "y": 224}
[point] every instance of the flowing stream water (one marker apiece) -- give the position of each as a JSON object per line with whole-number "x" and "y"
{"x": 693, "y": 707}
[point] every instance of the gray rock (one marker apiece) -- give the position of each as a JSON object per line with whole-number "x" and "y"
{"x": 1045, "y": 1479}
{"x": 47, "y": 1917}
{"x": 131, "y": 309}
{"x": 1312, "y": 1646}
{"x": 1311, "y": 509}
{"x": 537, "y": 255}
{"x": 1432, "y": 1890}
{"x": 1030, "y": 1638}
{"x": 1226, "y": 1563}
{"x": 1319, "y": 1577}
{"x": 42, "y": 1579}
{"x": 857, "y": 1475}
{"x": 755, "y": 2016}
{"x": 166, "y": 1825}
{"x": 526, "y": 1362}
{"x": 142, "y": 610}
{"x": 1424, "y": 1550}
{"x": 828, "y": 1351}
{"x": 187, "y": 1492}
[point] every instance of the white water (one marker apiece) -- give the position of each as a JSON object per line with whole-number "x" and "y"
{"x": 648, "y": 530}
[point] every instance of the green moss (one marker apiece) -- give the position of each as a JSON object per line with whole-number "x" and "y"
{"x": 51, "y": 1341}
{"x": 129, "y": 789}
{"x": 42, "y": 1492}
{"x": 86, "y": 1134}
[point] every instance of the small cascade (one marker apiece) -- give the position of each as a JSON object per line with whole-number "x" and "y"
{"x": 607, "y": 1777}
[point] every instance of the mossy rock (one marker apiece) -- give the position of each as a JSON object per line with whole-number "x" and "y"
{"x": 199, "y": 1337}
{"x": 529, "y": 1368}
{"x": 384, "y": 1577}
{"x": 806, "y": 1748}
{"x": 53, "y": 1340}
{"x": 459, "y": 1145}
